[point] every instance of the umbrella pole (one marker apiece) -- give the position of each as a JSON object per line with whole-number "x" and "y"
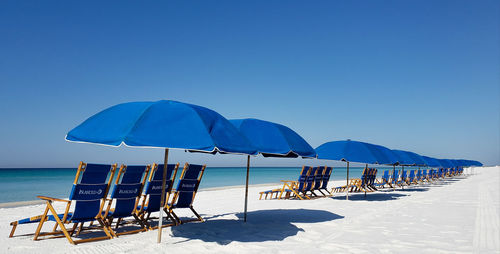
{"x": 246, "y": 189}
{"x": 163, "y": 183}
{"x": 364, "y": 183}
{"x": 347, "y": 183}
{"x": 394, "y": 180}
{"x": 402, "y": 180}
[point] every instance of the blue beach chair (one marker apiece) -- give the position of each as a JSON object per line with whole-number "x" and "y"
{"x": 151, "y": 198}
{"x": 90, "y": 188}
{"x": 126, "y": 193}
{"x": 186, "y": 191}
{"x": 411, "y": 178}
{"x": 383, "y": 180}
{"x": 294, "y": 188}
{"x": 318, "y": 178}
{"x": 324, "y": 181}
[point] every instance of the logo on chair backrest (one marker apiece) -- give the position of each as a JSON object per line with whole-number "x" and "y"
{"x": 128, "y": 191}
{"x": 90, "y": 192}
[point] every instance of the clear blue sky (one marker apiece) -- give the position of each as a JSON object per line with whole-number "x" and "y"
{"x": 414, "y": 75}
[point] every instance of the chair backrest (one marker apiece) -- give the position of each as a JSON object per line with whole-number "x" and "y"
{"x": 303, "y": 177}
{"x": 188, "y": 185}
{"x": 310, "y": 179}
{"x": 403, "y": 174}
{"x": 89, "y": 190}
{"x": 127, "y": 190}
{"x": 152, "y": 190}
{"x": 395, "y": 175}
{"x": 364, "y": 176}
{"x": 326, "y": 177}
{"x": 320, "y": 171}
{"x": 385, "y": 176}
{"x": 412, "y": 175}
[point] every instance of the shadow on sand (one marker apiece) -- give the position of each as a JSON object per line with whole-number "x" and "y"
{"x": 264, "y": 225}
{"x": 379, "y": 196}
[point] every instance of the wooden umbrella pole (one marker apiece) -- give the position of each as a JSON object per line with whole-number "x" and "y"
{"x": 394, "y": 180}
{"x": 162, "y": 204}
{"x": 246, "y": 189}
{"x": 347, "y": 183}
{"x": 364, "y": 182}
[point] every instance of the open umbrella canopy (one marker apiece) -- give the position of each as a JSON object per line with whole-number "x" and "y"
{"x": 272, "y": 139}
{"x": 404, "y": 158}
{"x": 476, "y": 163}
{"x": 419, "y": 161}
{"x": 349, "y": 150}
{"x": 431, "y": 162}
{"x": 384, "y": 155}
{"x": 165, "y": 124}
{"x": 445, "y": 163}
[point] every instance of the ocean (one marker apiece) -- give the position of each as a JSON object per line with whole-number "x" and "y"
{"x": 24, "y": 184}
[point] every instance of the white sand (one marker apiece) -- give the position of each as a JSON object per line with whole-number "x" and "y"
{"x": 450, "y": 216}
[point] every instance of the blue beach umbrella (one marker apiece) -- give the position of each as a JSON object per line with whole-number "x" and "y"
{"x": 445, "y": 163}
{"x": 404, "y": 158}
{"x": 431, "y": 162}
{"x": 162, "y": 124}
{"x": 354, "y": 151}
{"x": 271, "y": 140}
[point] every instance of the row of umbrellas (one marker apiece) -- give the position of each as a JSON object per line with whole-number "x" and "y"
{"x": 170, "y": 124}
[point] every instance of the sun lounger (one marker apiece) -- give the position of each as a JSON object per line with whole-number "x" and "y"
{"x": 385, "y": 180}
{"x": 296, "y": 188}
{"x": 186, "y": 191}
{"x": 125, "y": 196}
{"x": 151, "y": 198}
{"x": 327, "y": 172}
{"x": 90, "y": 188}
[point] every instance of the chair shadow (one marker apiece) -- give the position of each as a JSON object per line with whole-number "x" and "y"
{"x": 414, "y": 189}
{"x": 263, "y": 225}
{"x": 379, "y": 196}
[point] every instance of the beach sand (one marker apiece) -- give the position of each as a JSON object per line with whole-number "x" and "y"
{"x": 459, "y": 215}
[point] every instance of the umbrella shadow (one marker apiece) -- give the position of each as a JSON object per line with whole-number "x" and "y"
{"x": 264, "y": 225}
{"x": 380, "y": 196}
{"x": 415, "y": 189}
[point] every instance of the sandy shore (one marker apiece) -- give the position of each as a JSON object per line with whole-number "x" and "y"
{"x": 458, "y": 215}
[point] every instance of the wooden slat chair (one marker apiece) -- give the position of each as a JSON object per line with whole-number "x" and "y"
{"x": 186, "y": 191}
{"x": 90, "y": 189}
{"x": 295, "y": 188}
{"x": 151, "y": 198}
{"x": 395, "y": 178}
{"x": 125, "y": 195}
{"x": 402, "y": 180}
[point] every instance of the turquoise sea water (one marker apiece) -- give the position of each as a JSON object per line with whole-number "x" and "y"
{"x": 23, "y": 184}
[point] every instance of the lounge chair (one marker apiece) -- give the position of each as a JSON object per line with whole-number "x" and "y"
{"x": 89, "y": 190}
{"x": 294, "y": 188}
{"x": 125, "y": 195}
{"x": 411, "y": 178}
{"x": 186, "y": 191}
{"x": 324, "y": 181}
{"x": 318, "y": 178}
{"x": 384, "y": 180}
{"x": 151, "y": 198}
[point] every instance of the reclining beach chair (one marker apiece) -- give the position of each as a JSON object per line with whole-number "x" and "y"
{"x": 324, "y": 181}
{"x": 89, "y": 190}
{"x": 126, "y": 193}
{"x": 310, "y": 182}
{"x": 402, "y": 180}
{"x": 385, "y": 179}
{"x": 411, "y": 178}
{"x": 318, "y": 178}
{"x": 151, "y": 198}
{"x": 186, "y": 191}
{"x": 294, "y": 188}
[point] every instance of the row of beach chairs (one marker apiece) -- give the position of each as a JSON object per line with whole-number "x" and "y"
{"x": 312, "y": 179}
{"x": 135, "y": 195}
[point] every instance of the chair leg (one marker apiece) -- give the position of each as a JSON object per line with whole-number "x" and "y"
{"x": 59, "y": 222}
{"x": 42, "y": 220}
{"x": 14, "y": 226}
{"x": 195, "y": 213}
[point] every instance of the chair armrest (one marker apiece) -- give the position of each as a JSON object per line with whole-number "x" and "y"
{"x": 53, "y": 199}
{"x": 288, "y": 181}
